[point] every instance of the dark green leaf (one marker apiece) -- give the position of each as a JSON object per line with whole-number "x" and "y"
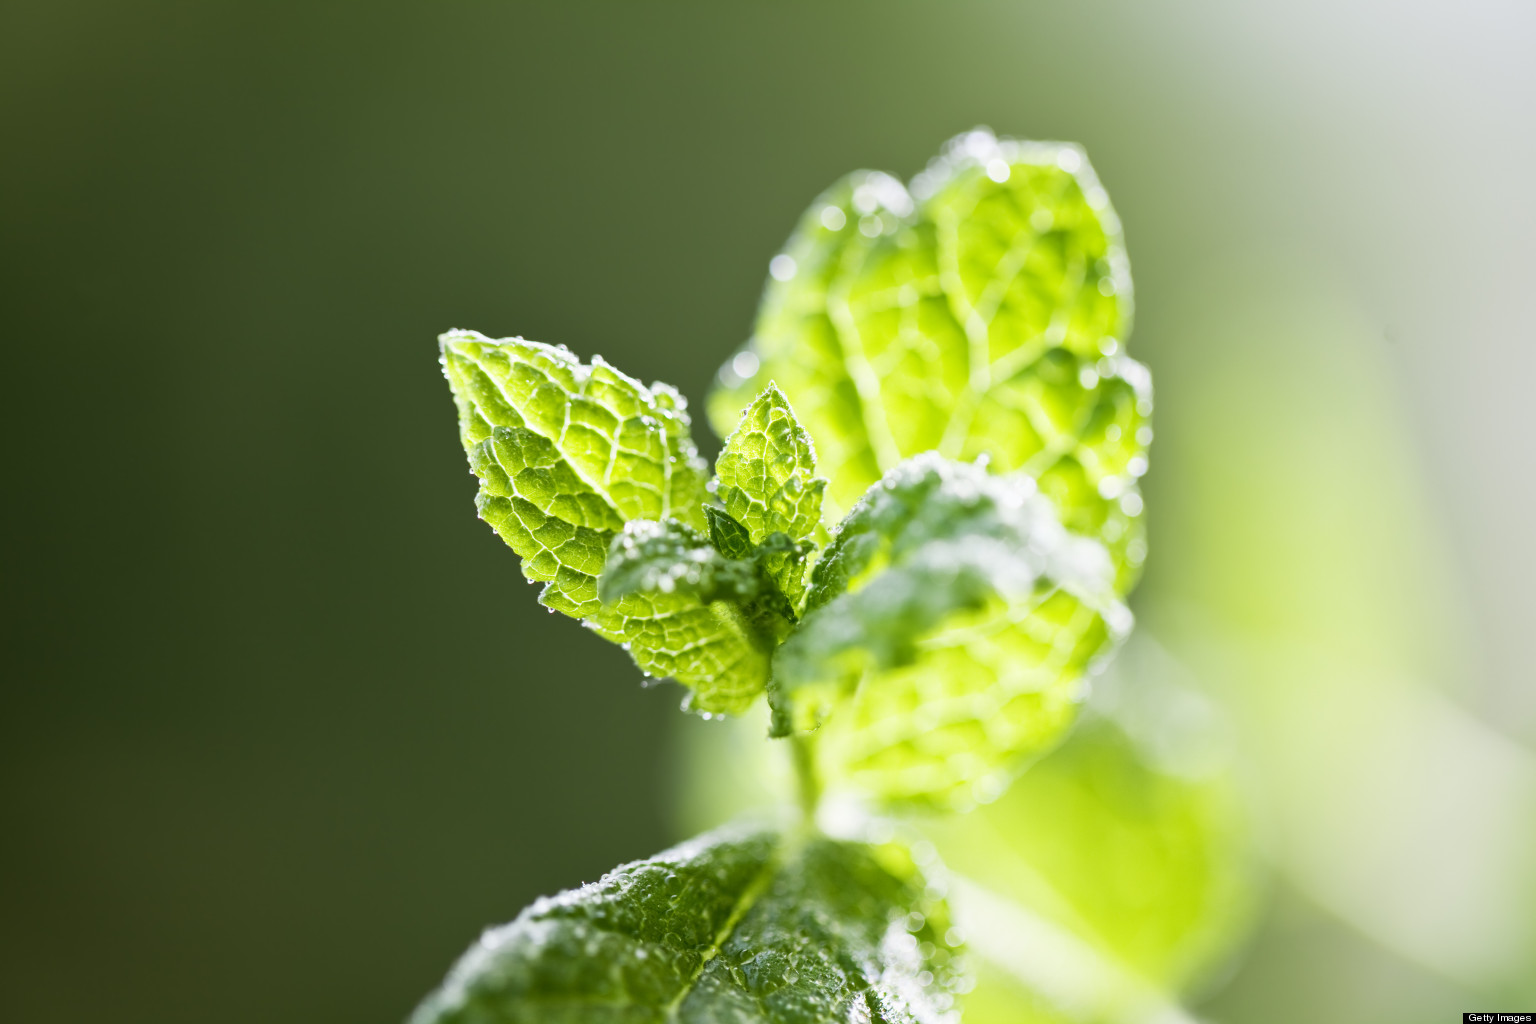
{"x": 766, "y": 471}
{"x": 731, "y": 928}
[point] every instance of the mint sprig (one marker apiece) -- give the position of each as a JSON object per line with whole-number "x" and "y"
{"x": 915, "y": 543}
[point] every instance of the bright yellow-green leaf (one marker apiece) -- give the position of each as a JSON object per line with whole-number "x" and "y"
{"x": 946, "y": 635}
{"x": 568, "y": 453}
{"x": 1130, "y": 840}
{"x": 766, "y": 472}
{"x": 983, "y": 312}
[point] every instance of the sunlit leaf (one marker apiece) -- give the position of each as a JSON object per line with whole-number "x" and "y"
{"x": 567, "y": 453}
{"x": 766, "y": 471}
{"x": 946, "y": 635}
{"x": 1130, "y": 841}
{"x": 982, "y": 312}
{"x": 687, "y": 612}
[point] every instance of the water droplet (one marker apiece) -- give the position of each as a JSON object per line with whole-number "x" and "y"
{"x": 997, "y": 170}
{"x": 1106, "y": 286}
{"x": 745, "y": 364}
{"x": 1042, "y": 219}
{"x": 1130, "y": 504}
{"x": 782, "y": 267}
{"x": 833, "y": 218}
{"x": 1069, "y": 160}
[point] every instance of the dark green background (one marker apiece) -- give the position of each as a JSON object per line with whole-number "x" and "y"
{"x": 283, "y": 727}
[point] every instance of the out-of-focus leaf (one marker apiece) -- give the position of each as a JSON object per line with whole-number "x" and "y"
{"x": 983, "y": 312}
{"x": 1130, "y": 841}
{"x": 946, "y": 634}
{"x": 734, "y": 926}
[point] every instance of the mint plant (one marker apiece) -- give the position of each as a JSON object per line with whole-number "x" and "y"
{"x": 914, "y": 546}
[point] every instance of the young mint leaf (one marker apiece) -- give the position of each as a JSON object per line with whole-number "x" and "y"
{"x": 766, "y": 481}
{"x": 567, "y": 453}
{"x": 984, "y": 312}
{"x": 766, "y": 471}
{"x": 734, "y": 926}
{"x": 728, "y": 536}
{"x": 946, "y": 634}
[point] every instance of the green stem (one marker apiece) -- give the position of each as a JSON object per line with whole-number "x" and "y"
{"x": 808, "y": 782}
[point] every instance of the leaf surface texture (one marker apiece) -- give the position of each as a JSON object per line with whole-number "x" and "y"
{"x": 983, "y": 312}
{"x": 566, "y": 454}
{"x": 949, "y": 625}
{"x": 734, "y": 927}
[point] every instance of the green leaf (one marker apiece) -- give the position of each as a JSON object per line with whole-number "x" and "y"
{"x": 567, "y": 453}
{"x": 766, "y": 481}
{"x": 984, "y": 312}
{"x": 728, "y": 536}
{"x": 734, "y": 926}
{"x": 1130, "y": 843}
{"x": 946, "y": 635}
{"x": 766, "y": 471}
{"x": 685, "y": 611}
{"x": 670, "y": 558}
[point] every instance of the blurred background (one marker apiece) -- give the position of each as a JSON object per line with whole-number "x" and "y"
{"x": 283, "y": 726}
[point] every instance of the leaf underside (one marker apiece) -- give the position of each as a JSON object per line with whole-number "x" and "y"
{"x": 951, "y": 624}
{"x": 972, "y": 316}
{"x": 734, "y": 927}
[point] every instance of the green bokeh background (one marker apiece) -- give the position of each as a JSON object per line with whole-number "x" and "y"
{"x": 283, "y": 727}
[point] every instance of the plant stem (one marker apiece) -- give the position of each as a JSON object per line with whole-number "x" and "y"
{"x": 807, "y": 780}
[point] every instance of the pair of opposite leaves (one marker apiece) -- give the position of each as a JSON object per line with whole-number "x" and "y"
{"x": 938, "y": 641}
